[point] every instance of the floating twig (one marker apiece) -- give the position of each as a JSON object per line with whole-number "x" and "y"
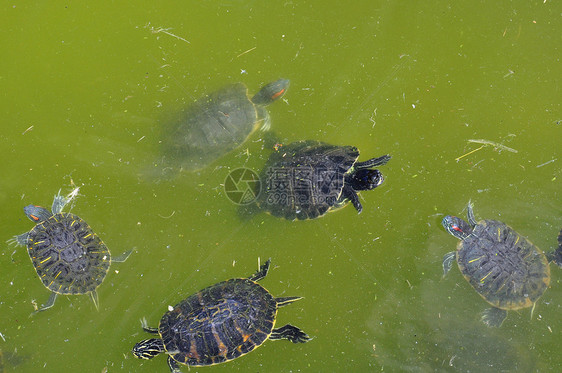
{"x": 165, "y": 31}
{"x": 248, "y": 51}
{"x": 484, "y": 144}
{"x": 168, "y": 217}
{"x": 547, "y": 162}
{"x": 469, "y": 153}
{"x": 494, "y": 144}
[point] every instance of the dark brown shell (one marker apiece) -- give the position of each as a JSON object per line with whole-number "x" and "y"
{"x": 305, "y": 179}
{"x": 219, "y": 323}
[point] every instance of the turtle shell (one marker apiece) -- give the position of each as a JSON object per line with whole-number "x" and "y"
{"x": 505, "y": 268}
{"x": 219, "y": 323}
{"x": 305, "y": 179}
{"x": 67, "y": 255}
{"x": 212, "y": 126}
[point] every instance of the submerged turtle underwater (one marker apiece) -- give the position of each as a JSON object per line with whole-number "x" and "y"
{"x": 217, "y": 124}
{"x": 219, "y": 324}
{"x": 306, "y": 179}
{"x": 505, "y": 268}
{"x": 68, "y": 256}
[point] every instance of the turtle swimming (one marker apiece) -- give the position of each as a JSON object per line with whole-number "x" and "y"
{"x": 219, "y": 323}
{"x": 306, "y": 179}
{"x": 68, "y": 256}
{"x": 504, "y": 267}
{"x": 218, "y": 123}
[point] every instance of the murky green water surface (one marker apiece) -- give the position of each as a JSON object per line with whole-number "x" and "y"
{"x": 85, "y": 89}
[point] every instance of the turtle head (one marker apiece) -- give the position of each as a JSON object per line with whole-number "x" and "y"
{"x": 148, "y": 348}
{"x": 457, "y": 227}
{"x": 365, "y": 179}
{"x": 271, "y": 92}
{"x": 37, "y": 213}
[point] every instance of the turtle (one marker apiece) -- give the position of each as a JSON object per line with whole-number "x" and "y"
{"x": 218, "y": 123}
{"x": 218, "y": 324}
{"x": 306, "y": 179}
{"x": 68, "y": 256}
{"x": 504, "y": 267}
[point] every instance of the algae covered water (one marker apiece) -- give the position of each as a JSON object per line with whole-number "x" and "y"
{"x": 465, "y": 97}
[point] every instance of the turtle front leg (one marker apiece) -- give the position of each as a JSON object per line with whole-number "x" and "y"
{"x": 58, "y": 203}
{"x": 147, "y": 328}
{"x": 262, "y": 272}
{"x": 470, "y": 214}
{"x": 174, "y": 366}
{"x": 448, "y": 260}
{"x": 290, "y": 332}
{"x": 20, "y": 239}
{"x": 349, "y": 193}
{"x": 266, "y": 120}
{"x": 379, "y": 161}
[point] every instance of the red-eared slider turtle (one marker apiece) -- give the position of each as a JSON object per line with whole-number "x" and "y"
{"x": 505, "y": 268}
{"x": 218, "y": 324}
{"x": 67, "y": 255}
{"x": 218, "y": 123}
{"x": 306, "y": 179}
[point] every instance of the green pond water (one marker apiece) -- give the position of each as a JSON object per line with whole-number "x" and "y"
{"x": 86, "y": 87}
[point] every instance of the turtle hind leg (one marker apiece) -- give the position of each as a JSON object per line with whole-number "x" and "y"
{"x": 493, "y": 317}
{"x": 286, "y": 300}
{"x": 290, "y": 332}
{"x": 121, "y": 258}
{"x": 262, "y": 272}
{"x": 174, "y": 366}
{"x": 50, "y": 303}
{"x": 373, "y": 162}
